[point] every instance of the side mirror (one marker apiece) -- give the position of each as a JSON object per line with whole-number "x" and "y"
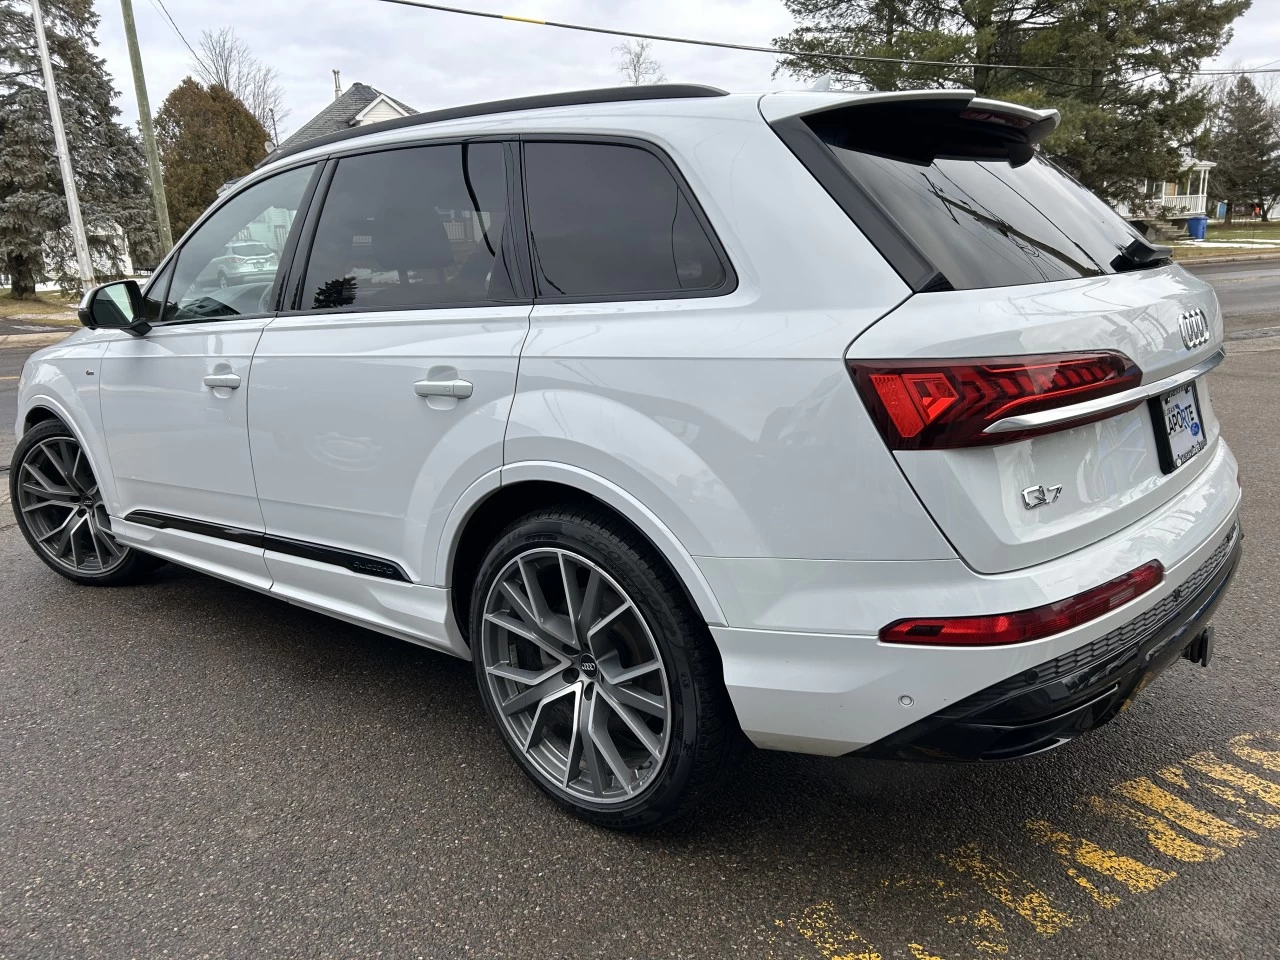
{"x": 116, "y": 306}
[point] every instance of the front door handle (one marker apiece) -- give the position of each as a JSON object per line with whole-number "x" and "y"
{"x": 228, "y": 380}
{"x": 458, "y": 389}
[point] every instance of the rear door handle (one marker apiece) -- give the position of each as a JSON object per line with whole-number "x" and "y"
{"x": 458, "y": 389}
{"x": 228, "y": 380}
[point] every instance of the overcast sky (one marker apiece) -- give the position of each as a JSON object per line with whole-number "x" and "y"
{"x": 431, "y": 60}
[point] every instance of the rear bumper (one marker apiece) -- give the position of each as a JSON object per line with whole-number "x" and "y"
{"x": 807, "y": 673}
{"x": 1056, "y": 701}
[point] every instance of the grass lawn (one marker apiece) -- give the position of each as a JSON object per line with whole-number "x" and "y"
{"x": 49, "y": 308}
{"x": 1245, "y": 230}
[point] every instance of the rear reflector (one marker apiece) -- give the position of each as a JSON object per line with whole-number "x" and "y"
{"x": 1006, "y": 628}
{"x": 937, "y": 404}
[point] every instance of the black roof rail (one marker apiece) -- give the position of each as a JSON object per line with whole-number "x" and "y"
{"x": 656, "y": 91}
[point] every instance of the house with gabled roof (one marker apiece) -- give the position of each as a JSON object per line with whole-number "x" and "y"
{"x": 360, "y": 104}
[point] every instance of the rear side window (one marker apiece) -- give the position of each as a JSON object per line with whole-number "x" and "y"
{"x": 984, "y": 222}
{"x": 610, "y": 221}
{"x": 418, "y": 227}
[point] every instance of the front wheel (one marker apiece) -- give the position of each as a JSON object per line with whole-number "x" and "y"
{"x": 59, "y": 509}
{"x": 601, "y": 678}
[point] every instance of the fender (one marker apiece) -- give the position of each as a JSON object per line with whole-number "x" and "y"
{"x": 49, "y": 386}
{"x": 672, "y": 550}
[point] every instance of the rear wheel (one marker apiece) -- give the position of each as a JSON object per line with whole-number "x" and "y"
{"x": 602, "y": 680}
{"x": 59, "y": 508}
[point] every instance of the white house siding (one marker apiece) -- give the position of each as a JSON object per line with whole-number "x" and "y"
{"x": 381, "y": 110}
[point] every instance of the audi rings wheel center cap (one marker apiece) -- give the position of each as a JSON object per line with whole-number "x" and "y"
{"x": 588, "y": 666}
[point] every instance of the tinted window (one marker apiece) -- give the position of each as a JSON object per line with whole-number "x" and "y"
{"x": 985, "y": 223}
{"x": 414, "y": 227}
{"x": 610, "y": 221}
{"x": 214, "y": 282}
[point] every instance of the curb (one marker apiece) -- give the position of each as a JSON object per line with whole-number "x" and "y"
{"x": 1244, "y": 258}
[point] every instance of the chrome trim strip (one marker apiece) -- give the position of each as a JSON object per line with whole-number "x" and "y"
{"x": 1078, "y": 411}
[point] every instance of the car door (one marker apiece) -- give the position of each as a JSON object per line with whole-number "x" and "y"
{"x": 384, "y": 393}
{"x": 174, "y": 401}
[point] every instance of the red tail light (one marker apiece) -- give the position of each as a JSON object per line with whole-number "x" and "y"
{"x": 234, "y": 259}
{"x": 1027, "y": 625}
{"x": 935, "y": 404}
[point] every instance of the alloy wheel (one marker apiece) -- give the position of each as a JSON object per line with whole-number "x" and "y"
{"x": 59, "y": 499}
{"x": 576, "y": 677}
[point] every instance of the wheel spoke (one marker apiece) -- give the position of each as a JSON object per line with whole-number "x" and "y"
{"x": 528, "y": 677}
{"x": 67, "y": 504}
{"x": 572, "y": 598}
{"x": 539, "y": 722}
{"x": 59, "y": 464}
{"x": 651, "y": 703}
{"x": 548, "y": 689}
{"x": 608, "y": 663}
{"x": 73, "y": 540}
{"x": 49, "y": 487}
{"x": 648, "y": 739}
{"x": 606, "y": 620}
{"x": 526, "y": 632}
{"x": 57, "y": 530}
{"x": 604, "y": 745}
{"x": 589, "y": 611}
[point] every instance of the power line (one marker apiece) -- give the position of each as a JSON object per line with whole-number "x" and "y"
{"x": 163, "y": 10}
{"x": 776, "y": 51}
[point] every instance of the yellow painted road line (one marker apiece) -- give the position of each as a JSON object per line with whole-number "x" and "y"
{"x": 9, "y": 378}
{"x": 1159, "y": 834}
{"x": 1246, "y": 747}
{"x": 1019, "y": 895}
{"x": 831, "y": 935}
{"x": 1144, "y": 791}
{"x": 1134, "y": 875}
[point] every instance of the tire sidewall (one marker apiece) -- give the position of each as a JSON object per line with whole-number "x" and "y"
{"x": 629, "y": 570}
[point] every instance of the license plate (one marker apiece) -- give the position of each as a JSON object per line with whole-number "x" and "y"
{"x": 1178, "y": 421}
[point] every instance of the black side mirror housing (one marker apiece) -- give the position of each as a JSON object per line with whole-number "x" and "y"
{"x": 115, "y": 306}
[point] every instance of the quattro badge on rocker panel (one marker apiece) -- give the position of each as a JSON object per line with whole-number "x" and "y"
{"x": 1040, "y": 495}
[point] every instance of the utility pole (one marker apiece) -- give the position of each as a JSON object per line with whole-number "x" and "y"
{"x": 64, "y": 155}
{"x": 148, "y": 131}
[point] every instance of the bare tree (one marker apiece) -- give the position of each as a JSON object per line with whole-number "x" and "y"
{"x": 226, "y": 60}
{"x": 636, "y": 65}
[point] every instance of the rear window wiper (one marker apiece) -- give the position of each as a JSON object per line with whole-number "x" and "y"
{"x": 1140, "y": 255}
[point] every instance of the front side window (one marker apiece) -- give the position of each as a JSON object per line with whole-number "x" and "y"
{"x": 416, "y": 227}
{"x": 609, "y": 220}
{"x": 228, "y": 267}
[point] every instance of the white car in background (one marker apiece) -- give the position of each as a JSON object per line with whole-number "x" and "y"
{"x": 843, "y": 421}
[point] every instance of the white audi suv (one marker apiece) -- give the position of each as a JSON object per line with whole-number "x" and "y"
{"x": 840, "y": 423}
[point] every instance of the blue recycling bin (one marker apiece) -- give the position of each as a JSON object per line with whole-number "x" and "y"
{"x": 1196, "y": 226}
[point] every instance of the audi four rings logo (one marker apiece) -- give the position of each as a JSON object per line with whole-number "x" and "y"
{"x": 1195, "y": 328}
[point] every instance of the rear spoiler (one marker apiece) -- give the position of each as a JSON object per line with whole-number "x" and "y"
{"x": 918, "y": 126}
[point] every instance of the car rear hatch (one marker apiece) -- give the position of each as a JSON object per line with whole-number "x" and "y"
{"x": 1044, "y": 385}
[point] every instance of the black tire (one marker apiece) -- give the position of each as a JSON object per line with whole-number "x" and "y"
{"x": 132, "y": 567}
{"x": 704, "y": 738}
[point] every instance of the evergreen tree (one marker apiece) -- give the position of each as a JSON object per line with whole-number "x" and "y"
{"x": 1118, "y": 70}
{"x": 110, "y": 171}
{"x": 206, "y": 137}
{"x": 1246, "y": 146}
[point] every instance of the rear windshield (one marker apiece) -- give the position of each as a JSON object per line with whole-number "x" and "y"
{"x": 252, "y": 249}
{"x": 986, "y": 223}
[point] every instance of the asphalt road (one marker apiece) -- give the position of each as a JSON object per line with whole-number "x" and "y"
{"x": 190, "y": 769}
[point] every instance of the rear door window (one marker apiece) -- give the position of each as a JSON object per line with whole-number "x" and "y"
{"x": 415, "y": 227}
{"x": 609, "y": 221}
{"x": 988, "y": 223}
